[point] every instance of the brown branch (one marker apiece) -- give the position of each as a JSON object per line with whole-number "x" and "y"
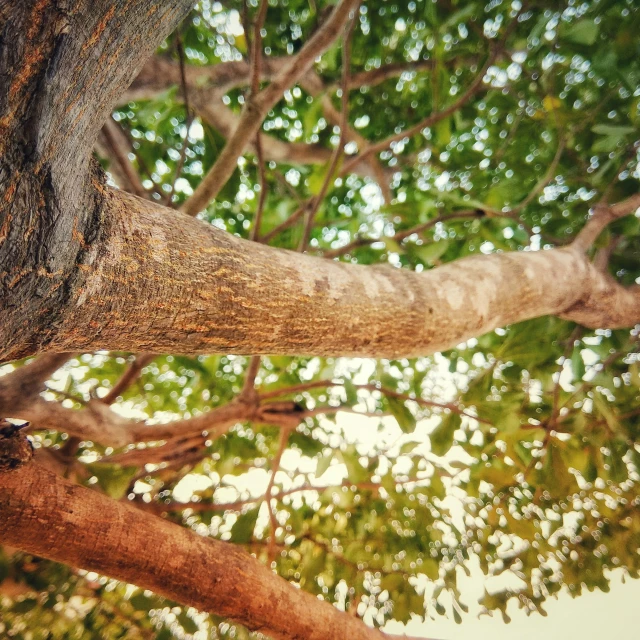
{"x": 315, "y": 87}
{"x": 19, "y": 386}
{"x": 542, "y": 183}
{"x": 275, "y": 467}
{"x": 128, "y": 377}
{"x": 117, "y": 147}
{"x": 429, "y": 121}
{"x": 249, "y": 388}
{"x": 602, "y": 216}
{"x": 290, "y": 221}
{"x": 40, "y": 513}
{"x": 159, "y": 73}
{"x": 402, "y": 235}
{"x": 321, "y": 384}
{"x": 337, "y": 154}
{"x": 188, "y": 122}
{"x": 202, "y": 507}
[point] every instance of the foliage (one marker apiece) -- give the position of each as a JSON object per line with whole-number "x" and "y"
{"x": 519, "y": 449}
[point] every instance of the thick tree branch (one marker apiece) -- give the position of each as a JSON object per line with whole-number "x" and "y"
{"x": 40, "y": 513}
{"x": 226, "y": 295}
{"x": 63, "y": 70}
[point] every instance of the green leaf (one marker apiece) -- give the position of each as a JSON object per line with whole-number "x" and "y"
{"x": 577, "y": 364}
{"x": 437, "y": 486}
{"x": 140, "y": 602}
{"x": 355, "y": 471}
{"x": 617, "y": 471}
{"x": 442, "y": 436}
{"x": 113, "y": 479}
{"x": 430, "y": 252}
{"x": 392, "y": 582}
{"x": 402, "y": 414}
{"x": 611, "y": 130}
{"x": 311, "y": 116}
{"x": 243, "y": 527}
{"x": 188, "y": 624}
{"x": 324, "y": 461}
{"x": 554, "y": 475}
{"x": 408, "y": 447}
{"x": 583, "y": 32}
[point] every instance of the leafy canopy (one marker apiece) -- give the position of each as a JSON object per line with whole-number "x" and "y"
{"x": 517, "y": 451}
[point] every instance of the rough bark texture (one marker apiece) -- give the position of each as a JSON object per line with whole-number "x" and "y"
{"x": 62, "y": 67}
{"x": 163, "y": 282}
{"x": 86, "y": 267}
{"x": 41, "y": 514}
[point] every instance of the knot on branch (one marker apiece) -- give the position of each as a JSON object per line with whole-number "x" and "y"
{"x": 15, "y": 448}
{"x": 282, "y": 414}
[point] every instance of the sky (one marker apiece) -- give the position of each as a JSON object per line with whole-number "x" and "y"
{"x": 594, "y": 615}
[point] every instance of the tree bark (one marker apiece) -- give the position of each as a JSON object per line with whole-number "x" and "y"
{"x": 62, "y": 68}
{"x": 42, "y": 514}
{"x": 164, "y": 282}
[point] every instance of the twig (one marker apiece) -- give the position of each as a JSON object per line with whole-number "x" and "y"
{"x": 249, "y": 388}
{"x": 603, "y": 215}
{"x": 319, "y": 384}
{"x": 130, "y": 374}
{"x": 429, "y": 121}
{"x": 542, "y": 183}
{"x": 337, "y": 154}
{"x": 256, "y": 61}
{"x": 255, "y": 109}
{"x": 402, "y": 235}
{"x": 189, "y": 120}
{"x": 116, "y": 142}
{"x": 275, "y": 467}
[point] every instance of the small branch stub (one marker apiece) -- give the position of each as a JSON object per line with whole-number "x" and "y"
{"x": 15, "y": 448}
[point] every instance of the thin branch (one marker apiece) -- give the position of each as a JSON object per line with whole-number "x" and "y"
{"x": 402, "y": 235}
{"x": 290, "y": 221}
{"x": 429, "y": 121}
{"x": 602, "y": 216}
{"x": 315, "y": 87}
{"x": 337, "y": 154}
{"x": 128, "y": 377}
{"x": 188, "y": 123}
{"x": 256, "y": 61}
{"x": 275, "y": 467}
{"x": 249, "y": 388}
{"x": 236, "y": 505}
{"x": 569, "y": 347}
{"x": 542, "y": 183}
{"x": 321, "y": 384}
{"x": 117, "y": 144}
{"x": 256, "y": 108}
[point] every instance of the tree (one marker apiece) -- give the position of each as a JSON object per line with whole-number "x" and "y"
{"x": 456, "y": 186}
